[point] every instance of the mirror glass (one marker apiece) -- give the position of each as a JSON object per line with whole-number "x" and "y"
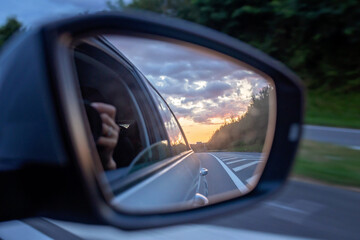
{"x": 176, "y": 125}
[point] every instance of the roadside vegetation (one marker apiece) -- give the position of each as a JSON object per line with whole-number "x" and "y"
{"x": 328, "y": 163}
{"x": 8, "y": 29}
{"x": 318, "y": 39}
{"x": 245, "y": 133}
{"x": 337, "y": 110}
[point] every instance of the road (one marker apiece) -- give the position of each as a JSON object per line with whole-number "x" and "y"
{"x": 303, "y": 210}
{"x": 235, "y": 169}
{"x": 300, "y": 210}
{"x": 339, "y": 136}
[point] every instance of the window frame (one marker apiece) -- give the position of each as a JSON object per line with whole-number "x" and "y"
{"x": 147, "y": 111}
{"x": 95, "y": 45}
{"x": 155, "y": 91}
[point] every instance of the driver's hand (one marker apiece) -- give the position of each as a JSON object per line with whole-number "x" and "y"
{"x": 110, "y": 132}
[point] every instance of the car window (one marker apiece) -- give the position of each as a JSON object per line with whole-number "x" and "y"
{"x": 176, "y": 138}
{"x": 141, "y": 142}
{"x": 106, "y": 83}
{"x": 164, "y": 148}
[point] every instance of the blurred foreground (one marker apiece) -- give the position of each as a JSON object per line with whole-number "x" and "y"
{"x": 330, "y": 155}
{"x": 303, "y": 210}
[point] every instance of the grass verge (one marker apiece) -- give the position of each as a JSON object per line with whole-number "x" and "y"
{"x": 333, "y": 109}
{"x": 328, "y": 163}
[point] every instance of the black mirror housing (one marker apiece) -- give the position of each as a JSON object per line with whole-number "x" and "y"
{"x": 35, "y": 170}
{"x": 48, "y": 167}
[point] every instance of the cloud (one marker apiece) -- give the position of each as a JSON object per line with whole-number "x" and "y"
{"x": 182, "y": 88}
{"x": 215, "y": 89}
{"x": 198, "y": 84}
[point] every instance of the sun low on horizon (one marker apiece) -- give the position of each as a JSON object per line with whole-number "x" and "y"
{"x": 198, "y": 132}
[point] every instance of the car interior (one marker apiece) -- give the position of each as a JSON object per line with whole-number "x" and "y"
{"x": 100, "y": 83}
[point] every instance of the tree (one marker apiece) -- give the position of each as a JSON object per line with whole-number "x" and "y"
{"x": 319, "y": 39}
{"x": 6, "y": 31}
{"x": 117, "y": 5}
{"x": 248, "y": 130}
{"x": 173, "y": 8}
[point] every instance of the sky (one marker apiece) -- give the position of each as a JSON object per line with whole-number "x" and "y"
{"x": 33, "y": 12}
{"x": 203, "y": 88}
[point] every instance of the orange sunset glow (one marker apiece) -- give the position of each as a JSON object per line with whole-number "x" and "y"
{"x": 197, "y": 132}
{"x": 200, "y": 132}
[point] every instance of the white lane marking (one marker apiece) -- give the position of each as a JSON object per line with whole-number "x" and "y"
{"x": 122, "y": 196}
{"x": 239, "y": 184}
{"x": 240, "y": 160}
{"x": 282, "y": 206}
{"x": 296, "y": 212}
{"x": 332, "y": 129}
{"x": 245, "y": 159}
{"x": 249, "y": 156}
{"x": 241, "y": 154}
{"x": 240, "y": 157}
{"x": 245, "y": 166}
{"x": 227, "y": 159}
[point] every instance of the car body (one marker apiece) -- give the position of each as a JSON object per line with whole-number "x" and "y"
{"x": 151, "y": 129}
{"x": 161, "y": 181}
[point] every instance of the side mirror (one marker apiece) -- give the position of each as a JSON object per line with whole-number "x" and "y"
{"x": 157, "y": 80}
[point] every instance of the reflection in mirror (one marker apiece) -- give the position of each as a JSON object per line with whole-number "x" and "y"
{"x": 176, "y": 125}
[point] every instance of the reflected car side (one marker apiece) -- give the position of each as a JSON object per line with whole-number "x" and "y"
{"x": 151, "y": 141}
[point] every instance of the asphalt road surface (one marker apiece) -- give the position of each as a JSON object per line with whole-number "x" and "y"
{"x": 339, "y": 136}
{"x": 302, "y": 210}
{"x": 236, "y": 170}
